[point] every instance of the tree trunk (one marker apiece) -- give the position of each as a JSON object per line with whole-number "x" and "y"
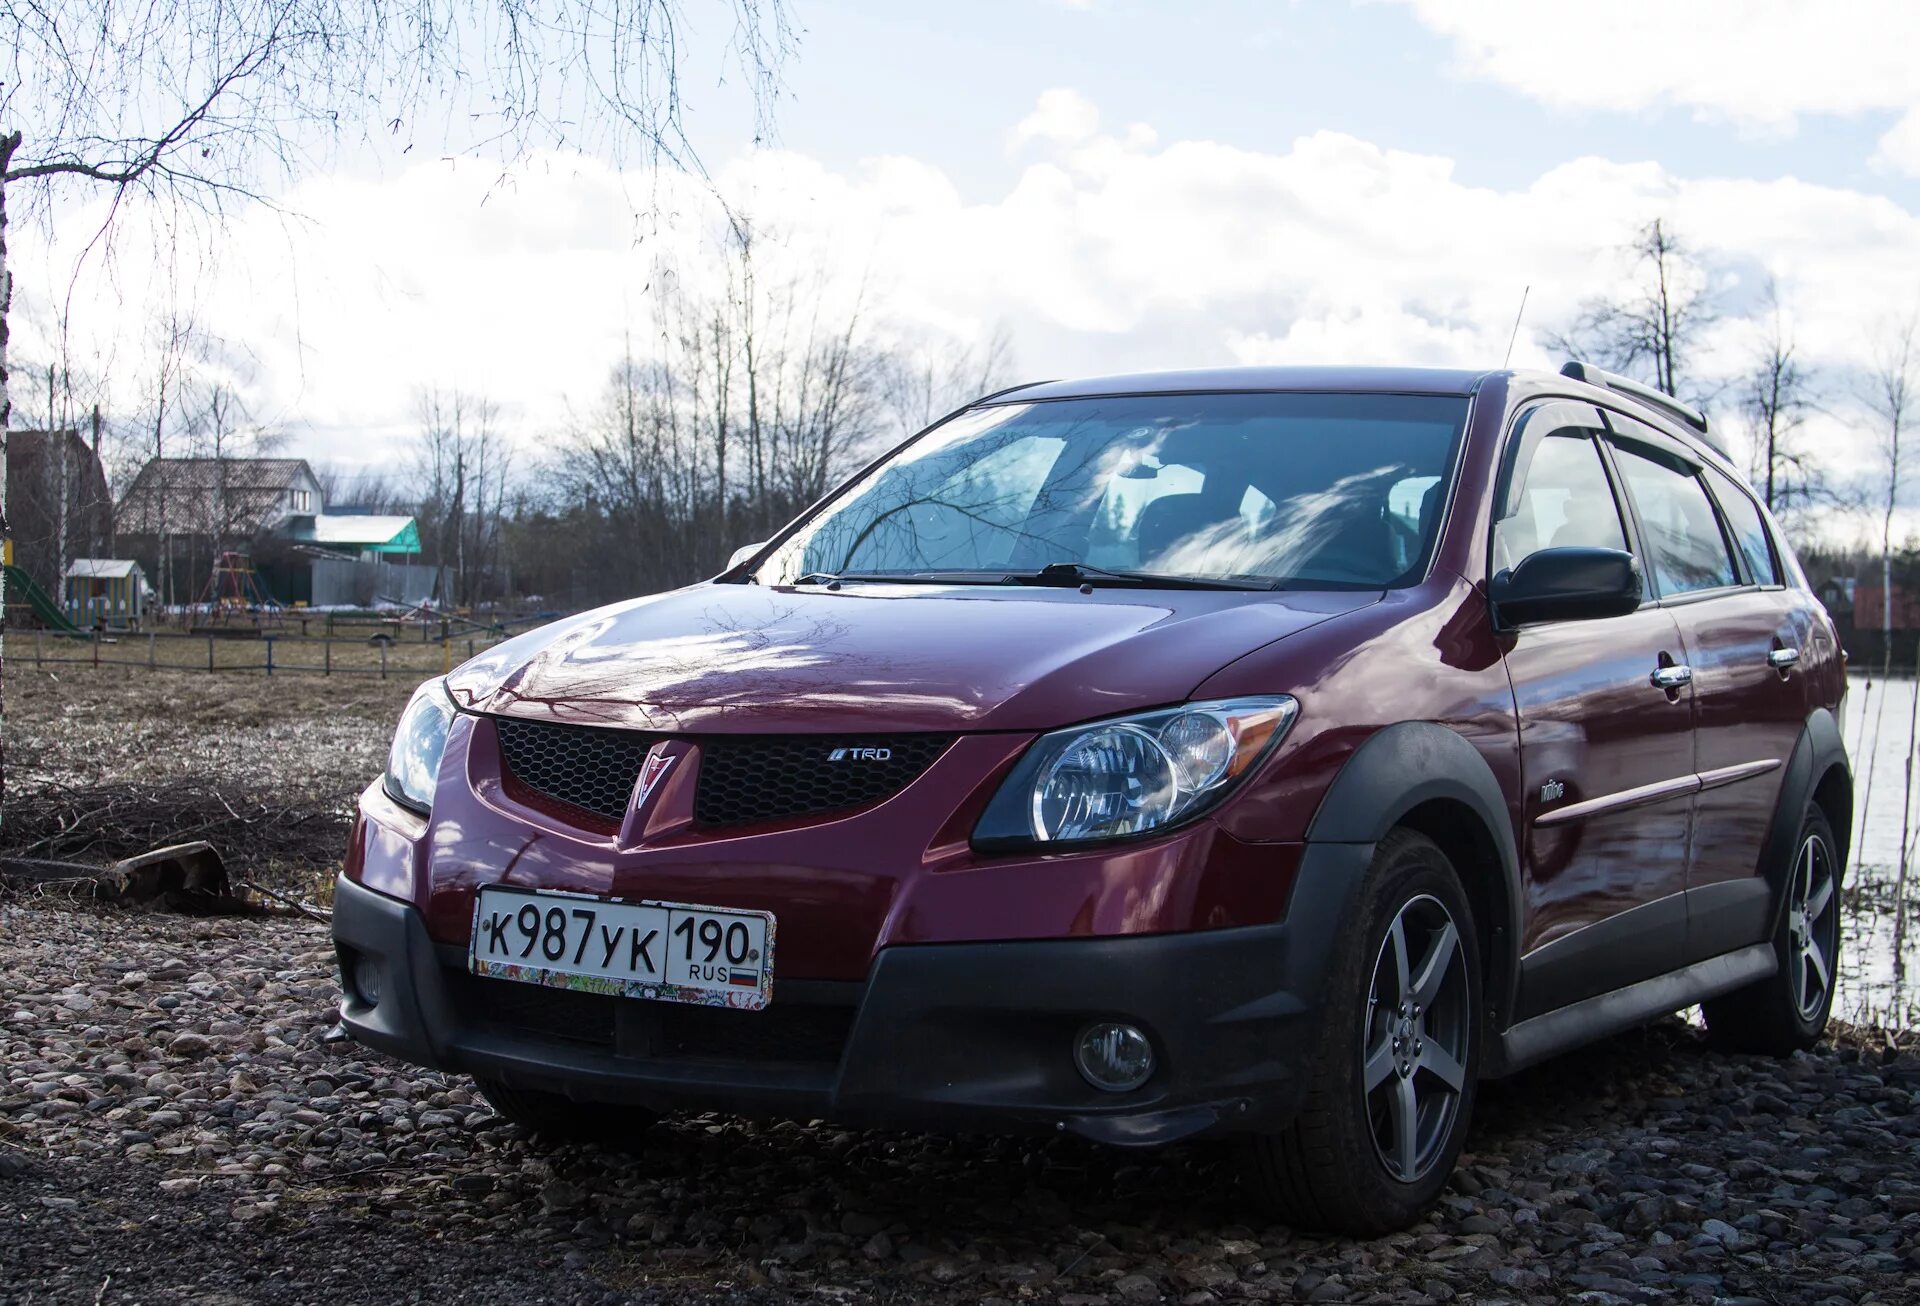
{"x": 8, "y": 144}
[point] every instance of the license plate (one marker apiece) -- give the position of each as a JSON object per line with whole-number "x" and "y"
{"x": 668, "y": 951}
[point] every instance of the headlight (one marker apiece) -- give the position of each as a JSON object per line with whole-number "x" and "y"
{"x": 1134, "y": 775}
{"x": 413, "y": 763}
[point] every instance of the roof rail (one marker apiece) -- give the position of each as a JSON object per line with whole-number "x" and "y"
{"x": 1646, "y": 394}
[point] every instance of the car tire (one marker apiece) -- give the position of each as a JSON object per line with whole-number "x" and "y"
{"x": 1787, "y": 1012}
{"x": 1362, "y": 1160}
{"x": 555, "y": 1119}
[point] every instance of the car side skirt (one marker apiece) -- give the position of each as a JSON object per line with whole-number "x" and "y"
{"x": 1621, "y": 1009}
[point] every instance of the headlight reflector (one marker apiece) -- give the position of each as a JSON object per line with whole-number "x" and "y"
{"x": 413, "y": 763}
{"x": 1131, "y": 776}
{"x": 1110, "y": 781}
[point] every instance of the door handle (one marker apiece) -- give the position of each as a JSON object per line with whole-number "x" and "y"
{"x": 1782, "y": 658}
{"x": 1671, "y": 678}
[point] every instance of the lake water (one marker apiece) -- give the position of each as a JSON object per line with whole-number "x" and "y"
{"x": 1880, "y": 740}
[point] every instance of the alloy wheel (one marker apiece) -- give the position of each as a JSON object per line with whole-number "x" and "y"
{"x": 1414, "y": 1039}
{"x": 1813, "y": 936}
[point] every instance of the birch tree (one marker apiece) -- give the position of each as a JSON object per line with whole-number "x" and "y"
{"x": 1651, "y": 329}
{"x": 1891, "y": 390}
{"x": 193, "y": 108}
{"x": 1775, "y": 398}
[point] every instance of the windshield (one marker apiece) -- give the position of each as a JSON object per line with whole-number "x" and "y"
{"x": 1303, "y": 490}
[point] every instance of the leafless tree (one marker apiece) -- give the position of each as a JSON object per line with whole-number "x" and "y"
{"x": 1889, "y": 394}
{"x": 1651, "y": 330}
{"x": 374, "y": 490}
{"x": 463, "y": 465}
{"x": 1775, "y": 398}
{"x": 738, "y": 408}
{"x": 924, "y": 379}
{"x": 194, "y": 105}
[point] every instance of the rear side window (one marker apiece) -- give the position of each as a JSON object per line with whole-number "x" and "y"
{"x": 1565, "y": 502}
{"x": 1683, "y": 539}
{"x": 1749, "y": 532}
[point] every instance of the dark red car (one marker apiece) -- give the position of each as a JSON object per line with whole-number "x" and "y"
{"x": 1268, "y": 754}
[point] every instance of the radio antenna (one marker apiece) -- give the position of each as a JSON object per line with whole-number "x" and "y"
{"x": 1516, "y": 324}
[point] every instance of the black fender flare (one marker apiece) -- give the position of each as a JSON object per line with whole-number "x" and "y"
{"x": 1816, "y": 752}
{"x": 1399, "y": 768}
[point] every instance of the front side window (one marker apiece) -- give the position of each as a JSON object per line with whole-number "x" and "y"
{"x": 1564, "y": 502}
{"x": 1301, "y": 490}
{"x": 1749, "y": 532}
{"x": 1683, "y": 539}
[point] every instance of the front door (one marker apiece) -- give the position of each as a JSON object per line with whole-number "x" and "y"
{"x": 1743, "y": 636}
{"x": 1606, "y": 743}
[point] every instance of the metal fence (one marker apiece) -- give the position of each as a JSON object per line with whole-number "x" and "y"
{"x": 269, "y": 653}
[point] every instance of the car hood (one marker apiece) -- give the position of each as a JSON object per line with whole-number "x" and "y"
{"x": 729, "y": 658}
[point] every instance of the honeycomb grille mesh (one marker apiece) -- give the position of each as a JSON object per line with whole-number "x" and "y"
{"x": 749, "y": 779}
{"x": 744, "y": 779}
{"x": 582, "y": 767}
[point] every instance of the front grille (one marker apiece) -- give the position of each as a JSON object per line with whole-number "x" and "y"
{"x": 744, "y": 779}
{"x": 583, "y": 767}
{"x": 747, "y": 780}
{"x": 782, "y": 1033}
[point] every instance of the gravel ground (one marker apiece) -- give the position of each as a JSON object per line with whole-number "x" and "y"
{"x": 173, "y": 1128}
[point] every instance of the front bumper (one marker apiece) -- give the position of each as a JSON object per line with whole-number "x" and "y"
{"x": 960, "y": 1035}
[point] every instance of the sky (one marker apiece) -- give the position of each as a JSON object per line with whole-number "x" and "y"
{"x": 1115, "y": 184}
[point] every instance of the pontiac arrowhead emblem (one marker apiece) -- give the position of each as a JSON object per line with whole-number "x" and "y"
{"x": 652, "y": 771}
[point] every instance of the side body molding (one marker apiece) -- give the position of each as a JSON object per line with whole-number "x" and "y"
{"x": 1414, "y": 762}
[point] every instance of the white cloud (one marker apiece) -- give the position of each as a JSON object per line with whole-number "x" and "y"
{"x": 1108, "y": 252}
{"x": 1062, "y": 116}
{"x": 1760, "y": 63}
{"x": 1900, "y": 147}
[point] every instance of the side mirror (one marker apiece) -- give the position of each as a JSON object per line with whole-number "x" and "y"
{"x": 744, "y": 552}
{"x": 1566, "y": 585}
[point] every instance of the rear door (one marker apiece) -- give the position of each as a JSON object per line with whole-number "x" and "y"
{"x": 1716, "y": 573}
{"x": 1606, "y": 754}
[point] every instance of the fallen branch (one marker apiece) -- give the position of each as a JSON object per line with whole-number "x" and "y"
{"x": 324, "y": 917}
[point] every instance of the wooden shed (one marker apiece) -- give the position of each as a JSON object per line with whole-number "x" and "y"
{"x": 105, "y": 592}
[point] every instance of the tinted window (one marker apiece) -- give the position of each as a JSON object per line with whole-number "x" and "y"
{"x": 1749, "y": 532}
{"x": 1565, "y": 502}
{"x": 1682, "y": 536}
{"x": 1336, "y": 490}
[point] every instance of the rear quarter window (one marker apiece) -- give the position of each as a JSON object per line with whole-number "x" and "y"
{"x": 1749, "y": 531}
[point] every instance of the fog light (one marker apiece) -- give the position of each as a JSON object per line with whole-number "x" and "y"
{"x": 366, "y": 979}
{"x": 1114, "y": 1057}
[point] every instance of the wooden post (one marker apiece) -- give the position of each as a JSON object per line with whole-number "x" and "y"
{"x": 151, "y": 662}
{"x": 383, "y": 659}
{"x": 326, "y": 648}
{"x": 96, "y": 648}
{"x": 446, "y": 657}
{"x": 269, "y": 657}
{"x": 36, "y": 646}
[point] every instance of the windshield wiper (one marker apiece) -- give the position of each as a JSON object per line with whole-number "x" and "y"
{"x": 891, "y": 577}
{"x": 1081, "y": 573}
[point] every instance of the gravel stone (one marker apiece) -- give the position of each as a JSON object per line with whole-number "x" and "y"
{"x": 191, "y": 1135}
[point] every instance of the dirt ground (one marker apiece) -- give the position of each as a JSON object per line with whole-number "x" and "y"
{"x": 106, "y": 763}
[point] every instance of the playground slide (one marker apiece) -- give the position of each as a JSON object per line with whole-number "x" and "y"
{"x": 38, "y": 600}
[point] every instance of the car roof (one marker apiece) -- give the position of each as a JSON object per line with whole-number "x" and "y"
{"x": 1378, "y": 380}
{"x": 1385, "y": 380}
